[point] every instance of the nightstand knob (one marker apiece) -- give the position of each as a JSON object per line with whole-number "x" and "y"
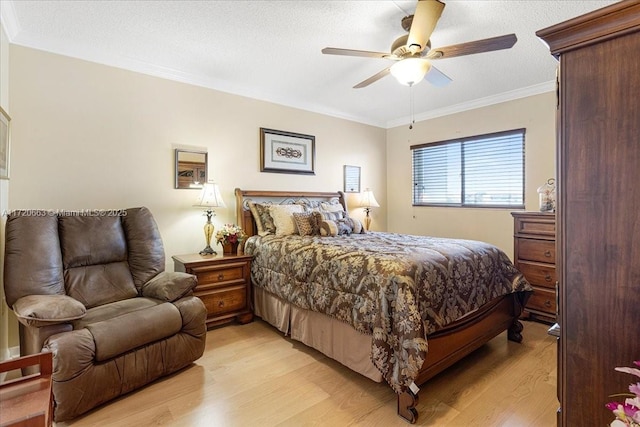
{"x": 547, "y": 304}
{"x": 220, "y": 303}
{"x": 547, "y": 253}
{"x": 547, "y": 278}
{"x": 220, "y": 276}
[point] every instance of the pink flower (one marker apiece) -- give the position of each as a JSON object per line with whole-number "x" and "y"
{"x": 627, "y": 413}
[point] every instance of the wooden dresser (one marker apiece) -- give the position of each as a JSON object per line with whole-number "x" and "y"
{"x": 535, "y": 256}
{"x": 598, "y": 208}
{"x": 224, "y": 285}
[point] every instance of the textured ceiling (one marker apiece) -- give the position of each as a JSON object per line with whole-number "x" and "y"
{"x": 270, "y": 50}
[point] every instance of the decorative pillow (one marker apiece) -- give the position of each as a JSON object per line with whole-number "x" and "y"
{"x": 332, "y": 206}
{"x": 262, "y": 217}
{"x": 328, "y": 228}
{"x": 344, "y": 226}
{"x": 282, "y": 216}
{"x": 333, "y": 216}
{"x": 357, "y": 226}
{"x": 312, "y": 206}
{"x": 306, "y": 223}
{"x": 43, "y": 310}
{"x": 335, "y": 228}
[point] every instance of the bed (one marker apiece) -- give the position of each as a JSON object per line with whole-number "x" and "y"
{"x": 395, "y": 308}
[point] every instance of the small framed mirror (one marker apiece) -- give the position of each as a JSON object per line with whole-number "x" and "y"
{"x": 191, "y": 168}
{"x": 351, "y": 179}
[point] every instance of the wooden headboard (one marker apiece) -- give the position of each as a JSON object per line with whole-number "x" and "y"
{"x": 244, "y": 217}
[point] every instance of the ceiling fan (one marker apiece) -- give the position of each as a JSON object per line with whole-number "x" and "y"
{"x": 413, "y": 53}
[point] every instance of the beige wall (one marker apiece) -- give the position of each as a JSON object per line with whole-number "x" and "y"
{"x": 88, "y": 136}
{"x": 535, "y": 113}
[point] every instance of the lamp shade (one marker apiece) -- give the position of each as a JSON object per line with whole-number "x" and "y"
{"x": 368, "y": 200}
{"x": 210, "y": 196}
{"x": 410, "y": 71}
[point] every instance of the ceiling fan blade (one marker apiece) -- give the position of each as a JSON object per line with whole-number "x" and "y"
{"x": 352, "y": 52}
{"x": 424, "y": 22}
{"x": 437, "y": 77}
{"x": 470, "y": 48}
{"x": 373, "y": 78}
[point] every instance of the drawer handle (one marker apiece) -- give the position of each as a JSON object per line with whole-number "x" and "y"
{"x": 221, "y": 303}
{"x": 547, "y": 278}
{"x": 547, "y": 304}
{"x": 547, "y": 253}
{"x": 220, "y": 276}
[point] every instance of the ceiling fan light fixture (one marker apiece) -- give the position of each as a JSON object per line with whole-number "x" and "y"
{"x": 410, "y": 71}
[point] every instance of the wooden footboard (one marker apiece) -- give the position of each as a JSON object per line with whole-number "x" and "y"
{"x": 461, "y": 338}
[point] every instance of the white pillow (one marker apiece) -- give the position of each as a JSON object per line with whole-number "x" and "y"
{"x": 282, "y": 216}
{"x": 331, "y": 207}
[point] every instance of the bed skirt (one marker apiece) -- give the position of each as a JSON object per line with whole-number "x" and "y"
{"x": 335, "y": 339}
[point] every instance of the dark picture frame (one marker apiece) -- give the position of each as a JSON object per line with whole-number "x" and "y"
{"x": 287, "y": 152}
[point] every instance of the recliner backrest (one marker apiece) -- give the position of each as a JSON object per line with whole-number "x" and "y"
{"x": 95, "y": 259}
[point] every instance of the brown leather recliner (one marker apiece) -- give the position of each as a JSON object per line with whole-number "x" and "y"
{"x": 91, "y": 289}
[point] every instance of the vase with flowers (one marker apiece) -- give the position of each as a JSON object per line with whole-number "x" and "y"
{"x": 230, "y": 236}
{"x": 628, "y": 412}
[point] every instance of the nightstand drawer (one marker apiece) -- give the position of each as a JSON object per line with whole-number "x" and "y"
{"x": 543, "y": 300}
{"x": 224, "y": 300}
{"x": 219, "y": 274}
{"x": 537, "y": 250}
{"x": 539, "y": 274}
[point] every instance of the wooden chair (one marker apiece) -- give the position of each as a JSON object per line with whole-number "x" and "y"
{"x": 27, "y": 401}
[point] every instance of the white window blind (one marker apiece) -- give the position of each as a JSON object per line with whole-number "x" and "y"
{"x": 478, "y": 171}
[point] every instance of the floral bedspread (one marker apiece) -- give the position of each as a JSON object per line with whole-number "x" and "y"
{"x": 396, "y": 287}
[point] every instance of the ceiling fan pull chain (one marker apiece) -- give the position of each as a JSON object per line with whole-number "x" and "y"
{"x": 412, "y": 119}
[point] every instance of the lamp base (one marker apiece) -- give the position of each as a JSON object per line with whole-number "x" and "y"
{"x": 208, "y": 251}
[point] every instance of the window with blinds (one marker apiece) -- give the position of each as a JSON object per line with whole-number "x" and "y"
{"x": 478, "y": 171}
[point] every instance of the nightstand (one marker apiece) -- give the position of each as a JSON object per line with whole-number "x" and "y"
{"x": 224, "y": 285}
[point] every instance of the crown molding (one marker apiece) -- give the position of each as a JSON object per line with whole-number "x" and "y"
{"x": 549, "y": 86}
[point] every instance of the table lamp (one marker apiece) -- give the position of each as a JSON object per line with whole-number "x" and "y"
{"x": 368, "y": 201}
{"x": 209, "y": 198}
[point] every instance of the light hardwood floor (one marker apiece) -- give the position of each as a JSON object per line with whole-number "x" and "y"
{"x": 251, "y": 375}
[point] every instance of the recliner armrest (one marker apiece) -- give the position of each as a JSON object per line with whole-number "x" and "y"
{"x": 169, "y": 286}
{"x": 44, "y": 310}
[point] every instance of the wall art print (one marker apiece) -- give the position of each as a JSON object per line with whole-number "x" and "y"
{"x": 287, "y": 152}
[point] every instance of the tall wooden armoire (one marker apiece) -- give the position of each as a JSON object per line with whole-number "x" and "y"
{"x": 598, "y": 208}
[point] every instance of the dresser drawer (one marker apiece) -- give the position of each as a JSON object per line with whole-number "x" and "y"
{"x": 225, "y": 300}
{"x": 219, "y": 274}
{"x": 539, "y": 274}
{"x": 536, "y": 225}
{"x": 543, "y": 300}
{"x": 537, "y": 250}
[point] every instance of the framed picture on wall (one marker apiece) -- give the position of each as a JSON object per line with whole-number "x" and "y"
{"x": 5, "y": 136}
{"x": 351, "y": 179}
{"x": 287, "y": 152}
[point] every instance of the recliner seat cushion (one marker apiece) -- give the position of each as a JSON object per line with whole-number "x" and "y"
{"x": 121, "y": 334}
{"x": 114, "y": 309}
